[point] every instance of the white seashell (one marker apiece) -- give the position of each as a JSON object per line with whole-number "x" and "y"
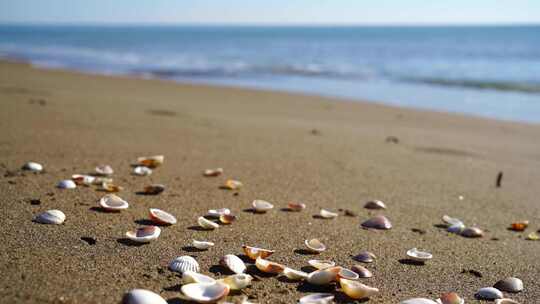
{"x": 419, "y": 256}
{"x": 489, "y": 293}
{"x": 451, "y": 220}
{"x": 348, "y": 274}
{"x": 33, "y": 167}
{"x": 213, "y": 172}
{"x": 202, "y": 245}
{"x": 81, "y": 179}
{"x": 456, "y": 228}
{"x": 323, "y": 277}
{"x": 151, "y": 161}
{"x": 216, "y": 213}
{"x": 161, "y": 217}
{"x": 472, "y": 232}
{"x": 509, "y": 285}
{"x": 144, "y": 234}
{"x": 418, "y": 301}
{"x": 378, "y": 222}
{"x": 207, "y": 224}
{"x": 142, "y": 296}
{"x": 205, "y": 293}
{"x": 261, "y": 206}
{"x": 184, "y": 263}
{"x": 233, "y": 263}
{"x": 111, "y": 202}
{"x": 268, "y": 266}
{"x": 66, "y": 184}
{"x": 450, "y": 298}
{"x": 315, "y": 246}
{"x": 55, "y": 217}
{"x": 254, "y": 252}
{"x": 195, "y": 277}
{"x": 506, "y": 301}
{"x": 237, "y": 281}
{"x": 357, "y": 290}
{"x": 317, "y": 298}
{"x": 321, "y": 264}
{"x": 104, "y": 170}
{"x": 294, "y": 275}
{"x": 142, "y": 171}
{"x": 376, "y": 204}
{"x": 232, "y": 184}
{"x": 327, "y": 214}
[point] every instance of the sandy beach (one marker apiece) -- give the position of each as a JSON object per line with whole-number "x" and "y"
{"x": 326, "y": 153}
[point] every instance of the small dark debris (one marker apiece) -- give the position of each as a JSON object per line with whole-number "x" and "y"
{"x": 89, "y": 240}
{"x": 40, "y": 101}
{"x": 35, "y": 201}
{"x": 12, "y": 182}
{"x": 420, "y": 231}
{"x": 499, "y": 179}
{"x": 315, "y": 132}
{"x": 50, "y": 193}
{"x": 392, "y": 139}
{"x": 473, "y": 272}
{"x": 350, "y": 213}
{"x": 236, "y": 194}
{"x": 494, "y": 238}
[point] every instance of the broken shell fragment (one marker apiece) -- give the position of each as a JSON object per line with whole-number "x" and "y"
{"x": 232, "y": 184}
{"x": 348, "y": 274}
{"x": 66, "y": 184}
{"x": 154, "y": 189}
{"x": 261, "y": 206}
{"x": 357, "y": 290}
{"x": 213, "y": 172}
{"x": 161, "y": 217}
{"x": 104, "y": 170}
{"x": 450, "y": 298}
{"x": 189, "y": 276}
{"x": 449, "y": 221}
{"x": 151, "y": 161}
{"x": 317, "y": 298}
{"x": 509, "y": 285}
{"x": 111, "y": 202}
{"x": 237, "y": 281}
{"x": 362, "y": 271}
{"x": 321, "y": 264}
{"x": 184, "y": 263}
{"x": 365, "y": 257}
{"x": 377, "y": 222}
{"x": 99, "y": 180}
{"x": 375, "y": 205}
{"x": 418, "y": 301}
{"x": 233, "y": 263}
{"x": 254, "y": 252}
{"x": 227, "y": 218}
{"x": 472, "y": 232}
{"x": 142, "y": 171}
{"x": 144, "y": 234}
{"x": 55, "y": 217}
{"x": 216, "y": 213}
{"x": 323, "y": 276}
{"x": 142, "y": 296}
{"x": 419, "y": 256}
{"x": 519, "y": 226}
{"x": 33, "y": 167}
{"x": 84, "y": 180}
{"x": 506, "y": 301}
{"x": 456, "y": 228}
{"x": 315, "y": 246}
{"x": 292, "y": 206}
{"x": 268, "y": 266}
{"x": 295, "y": 275}
{"x": 533, "y": 236}
{"x": 202, "y": 245}
{"x": 327, "y": 214}
{"x": 205, "y": 293}
{"x": 207, "y": 224}
{"x": 110, "y": 187}
{"x": 489, "y": 293}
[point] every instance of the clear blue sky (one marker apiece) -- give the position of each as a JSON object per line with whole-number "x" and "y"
{"x": 272, "y": 11}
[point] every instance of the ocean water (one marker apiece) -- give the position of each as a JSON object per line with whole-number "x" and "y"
{"x": 484, "y": 71}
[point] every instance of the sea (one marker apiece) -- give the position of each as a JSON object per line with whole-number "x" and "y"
{"x": 487, "y": 71}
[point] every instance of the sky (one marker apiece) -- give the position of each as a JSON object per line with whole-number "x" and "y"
{"x": 361, "y": 12}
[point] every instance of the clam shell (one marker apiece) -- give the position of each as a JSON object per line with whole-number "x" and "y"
{"x": 450, "y": 298}
{"x": 232, "y": 184}
{"x": 233, "y": 263}
{"x": 489, "y": 293}
{"x": 144, "y": 234}
{"x": 184, "y": 263}
{"x": 104, "y": 170}
{"x": 377, "y": 222}
{"x": 161, "y": 217}
{"x": 142, "y": 296}
{"x": 268, "y": 266}
{"x": 292, "y": 206}
{"x": 227, "y": 218}
{"x": 237, "y": 281}
{"x": 205, "y": 293}
{"x": 419, "y": 256}
{"x": 33, "y": 167}
{"x": 362, "y": 271}
{"x": 213, "y": 172}
{"x": 81, "y": 179}
{"x": 254, "y": 252}
{"x": 154, "y": 189}
{"x": 142, "y": 171}
{"x": 519, "y": 226}
{"x": 261, "y": 206}
{"x": 295, "y": 275}
{"x": 375, "y": 205}
{"x": 195, "y": 277}
{"x": 506, "y": 301}
{"x": 472, "y": 232}
{"x": 151, "y": 161}
{"x": 66, "y": 184}
{"x": 317, "y": 298}
{"x": 365, "y": 257}
{"x": 202, "y": 245}
{"x": 323, "y": 276}
{"x": 216, "y": 213}
{"x": 357, "y": 290}
{"x": 327, "y": 214}
{"x": 207, "y": 224}
{"x": 321, "y": 264}
{"x": 418, "y": 301}
{"x": 55, "y": 217}
{"x": 348, "y": 274}
{"x": 315, "y": 246}
{"x": 509, "y": 285}
{"x": 111, "y": 202}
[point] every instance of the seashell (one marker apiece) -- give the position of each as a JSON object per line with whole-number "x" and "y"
{"x": 111, "y": 202}
{"x": 202, "y": 245}
{"x": 142, "y": 296}
{"x": 216, "y": 213}
{"x": 327, "y": 214}
{"x": 377, "y": 222}
{"x": 292, "y": 206}
{"x": 161, "y": 217}
{"x": 506, "y": 301}
{"x": 317, "y": 298}
{"x": 472, "y": 232}
{"x": 254, "y": 252}
{"x": 509, "y": 285}
{"x": 144, "y": 234}
{"x": 205, "y": 293}
{"x": 233, "y": 263}
{"x": 261, "y": 206}
{"x": 315, "y": 246}
{"x": 232, "y": 184}
{"x": 450, "y": 298}
{"x": 321, "y": 264}
{"x": 268, "y": 267}
{"x": 227, "y": 218}
{"x": 323, "y": 276}
{"x": 195, "y": 277}
{"x": 142, "y": 171}
{"x": 295, "y": 275}
{"x": 519, "y": 226}
{"x": 154, "y": 189}
{"x": 213, "y": 172}
{"x": 33, "y": 167}
{"x": 99, "y": 180}
{"x": 66, "y": 184}
{"x": 418, "y": 301}
{"x": 489, "y": 293}
{"x": 237, "y": 281}
{"x": 55, "y": 217}
{"x": 533, "y": 236}
{"x": 110, "y": 187}
{"x": 375, "y": 205}
{"x": 419, "y": 256}
{"x": 207, "y": 224}
{"x": 104, "y": 170}
{"x": 348, "y": 274}
{"x": 151, "y": 161}
{"x": 184, "y": 263}
{"x": 84, "y": 180}
{"x": 365, "y": 257}
{"x": 456, "y": 228}
{"x": 357, "y": 290}
{"x": 451, "y": 220}
{"x": 362, "y": 271}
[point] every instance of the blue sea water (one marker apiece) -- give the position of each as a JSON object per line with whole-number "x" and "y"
{"x": 483, "y": 70}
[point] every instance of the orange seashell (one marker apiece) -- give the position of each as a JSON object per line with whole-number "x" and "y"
{"x": 227, "y": 218}
{"x": 519, "y": 226}
{"x": 254, "y": 252}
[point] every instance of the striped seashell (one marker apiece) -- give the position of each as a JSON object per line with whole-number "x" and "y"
{"x": 184, "y": 263}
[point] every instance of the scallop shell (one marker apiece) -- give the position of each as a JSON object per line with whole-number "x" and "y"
{"x": 377, "y": 222}
{"x": 216, "y": 213}
{"x": 55, "y": 217}
{"x": 154, "y": 189}
{"x": 348, "y": 274}
{"x": 213, "y": 172}
{"x": 418, "y": 301}
{"x": 104, "y": 170}
{"x": 268, "y": 266}
{"x": 184, "y": 263}
{"x": 205, "y": 293}
{"x": 81, "y": 179}
{"x": 237, "y": 281}
{"x": 207, "y": 224}
{"x": 509, "y": 285}
{"x": 317, "y": 298}
{"x": 142, "y": 296}
{"x": 233, "y": 263}
{"x": 227, "y": 219}
{"x": 294, "y": 275}
{"x": 142, "y": 171}
{"x": 362, "y": 271}
{"x": 489, "y": 293}
{"x": 292, "y": 206}
{"x": 232, "y": 184}
{"x": 195, "y": 277}
{"x": 506, "y": 301}
{"x": 111, "y": 202}
{"x": 357, "y": 290}
{"x": 161, "y": 217}
{"x": 365, "y": 257}
{"x": 450, "y": 298}
{"x": 321, "y": 264}
{"x": 254, "y": 252}
{"x": 144, "y": 234}
{"x": 261, "y": 206}
{"x": 66, "y": 184}
{"x": 151, "y": 161}
{"x": 33, "y": 167}
{"x": 202, "y": 245}
{"x": 375, "y": 205}
{"x": 419, "y": 256}
{"x": 323, "y": 276}
{"x": 327, "y": 214}
{"x": 315, "y": 246}
{"x": 472, "y": 232}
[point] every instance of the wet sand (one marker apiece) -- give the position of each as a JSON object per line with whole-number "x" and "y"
{"x": 283, "y": 147}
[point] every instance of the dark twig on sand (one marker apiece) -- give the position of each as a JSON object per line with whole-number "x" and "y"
{"x": 499, "y": 179}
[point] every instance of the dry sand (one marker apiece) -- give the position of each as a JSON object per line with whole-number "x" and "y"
{"x": 72, "y": 122}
